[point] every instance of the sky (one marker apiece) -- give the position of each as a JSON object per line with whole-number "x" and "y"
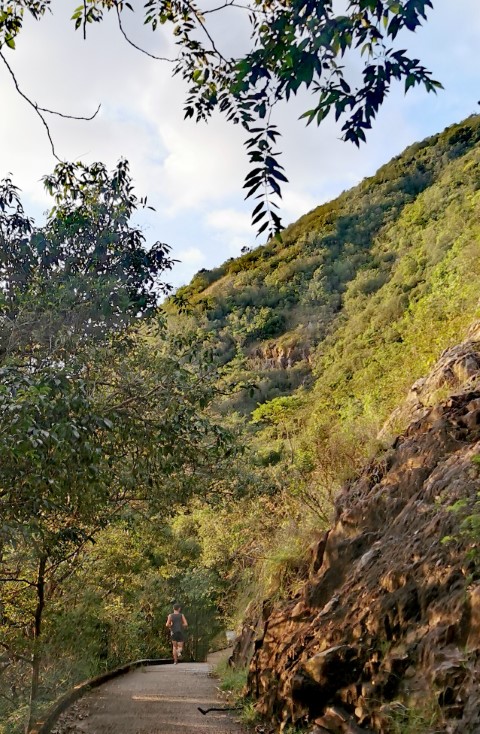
{"x": 193, "y": 173}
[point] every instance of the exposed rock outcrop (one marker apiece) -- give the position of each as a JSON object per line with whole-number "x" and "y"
{"x": 458, "y": 367}
{"x": 273, "y": 356}
{"x": 387, "y": 628}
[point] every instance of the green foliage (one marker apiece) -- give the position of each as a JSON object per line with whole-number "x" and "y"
{"x": 283, "y": 570}
{"x": 232, "y": 680}
{"x": 277, "y": 411}
{"x": 421, "y": 719}
{"x": 467, "y": 511}
{"x": 103, "y": 420}
{"x": 52, "y": 469}
{"x": 356, "y": 282}
{"x": 302, "y": 47}
{"x": 374, "y": 286}
{"x": 470, "y": 529}
{"x": 85, "y": 274}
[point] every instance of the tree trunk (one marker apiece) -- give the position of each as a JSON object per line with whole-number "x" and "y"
{"x": 37, "y": 629}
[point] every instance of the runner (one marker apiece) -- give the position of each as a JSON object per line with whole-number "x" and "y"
{"x": 177, "y": 625}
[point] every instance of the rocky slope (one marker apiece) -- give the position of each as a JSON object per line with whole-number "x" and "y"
{"x": 385, "y": 635}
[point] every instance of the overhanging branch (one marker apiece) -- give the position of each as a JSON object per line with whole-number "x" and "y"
{"x": 41, "y": 110}
{"x": 139, "y": 48}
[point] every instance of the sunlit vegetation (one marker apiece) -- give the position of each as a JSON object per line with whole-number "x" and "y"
{"x": 104, "y": 433}
{"x": 194, "y": 454}
{"x": 368, "y": 290}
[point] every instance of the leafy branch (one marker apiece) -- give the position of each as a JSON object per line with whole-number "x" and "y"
{"x": 297, "y": 45}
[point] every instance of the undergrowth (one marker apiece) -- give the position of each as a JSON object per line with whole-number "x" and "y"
{"x": 233, "y": 682}
{"x": 415, "y": 720}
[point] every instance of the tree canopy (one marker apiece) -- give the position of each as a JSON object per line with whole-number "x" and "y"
{"x": 102, "y": 415}
{"x": 86, "y": 273}
{"x": 347, "y": 58}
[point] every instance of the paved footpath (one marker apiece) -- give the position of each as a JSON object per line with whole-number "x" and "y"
{"x": 157, "y": 699}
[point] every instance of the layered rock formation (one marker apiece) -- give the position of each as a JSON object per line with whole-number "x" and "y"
{"x": 273, "y": 356}
{"x": 385, "y": 635}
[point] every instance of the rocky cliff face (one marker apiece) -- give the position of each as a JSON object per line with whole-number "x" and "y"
{"x": 273, "y": 356}
{"x": 385, "y": 635}
{"x": 457, "y": 368}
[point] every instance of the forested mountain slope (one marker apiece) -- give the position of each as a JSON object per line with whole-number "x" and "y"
{"x": 380, "y": 278}
{"x": 372, "y": 626}
{"x": 322, "y": 335}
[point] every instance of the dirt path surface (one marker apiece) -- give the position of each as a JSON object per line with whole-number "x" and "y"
{"x": 157, "y": 699}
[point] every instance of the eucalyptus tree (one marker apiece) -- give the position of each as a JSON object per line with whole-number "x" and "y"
{"x": 291, "y": 45}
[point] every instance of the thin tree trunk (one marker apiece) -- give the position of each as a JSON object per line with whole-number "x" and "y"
{"x": 37, "y": 630}
{"x": 292, "y": 453}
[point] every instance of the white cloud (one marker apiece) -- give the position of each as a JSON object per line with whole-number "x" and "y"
{"x": 231, "y": 230}
{"x": 191, "y": 256}
{"x": 229, "y": 221}
{"x": 191, "y": 260}
{"x": 199, "y": 165}
{"x": 295, "y": 203}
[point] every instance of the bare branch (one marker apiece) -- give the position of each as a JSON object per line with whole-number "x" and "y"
{"x": 32, "y": 104}
{"x": 85, "y": 20}
{"x": 39, "y": 110}
{"x": 69, "y": 117}
{"x": 130, "y": 400}
{"x": 139, "y": 48}
{"x": 16, "y": 580}
{"x": 198, "y": 15}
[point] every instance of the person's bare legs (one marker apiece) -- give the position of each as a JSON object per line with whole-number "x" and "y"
{"x": 177, "y": 648}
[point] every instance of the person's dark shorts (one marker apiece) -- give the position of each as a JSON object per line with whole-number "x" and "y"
{"x": 177, "y": 636}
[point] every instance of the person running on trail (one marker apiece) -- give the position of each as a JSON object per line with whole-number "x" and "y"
{"x": 177, "y": 625}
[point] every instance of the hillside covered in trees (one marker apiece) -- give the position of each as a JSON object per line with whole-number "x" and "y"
{"x": 345, "y": 277}
{"x": 196, "y": 453}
